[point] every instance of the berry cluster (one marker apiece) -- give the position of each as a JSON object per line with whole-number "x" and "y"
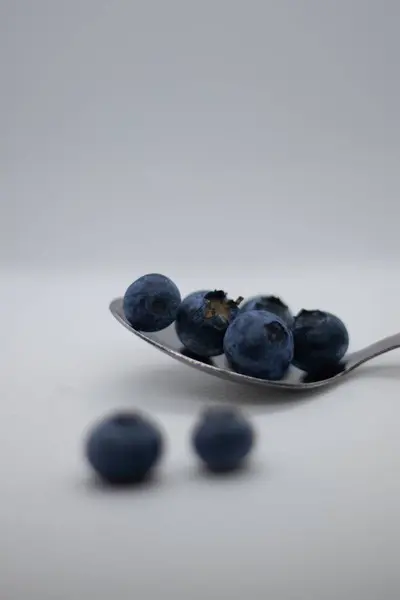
{"x": 260, "y": 337}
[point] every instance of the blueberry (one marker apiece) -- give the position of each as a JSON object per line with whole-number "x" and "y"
{"x": 123, "y": 448}
{"x": 272, "y": 304}
{"x": 320, "y": 339}
{"x": 151, "y": 302}
{"x": 222, "y": 439}
{"x": 202, "y": 320}
{"x": 259, "y": 344}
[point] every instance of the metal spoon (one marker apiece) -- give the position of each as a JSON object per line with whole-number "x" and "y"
{"x": 296, "y": 380}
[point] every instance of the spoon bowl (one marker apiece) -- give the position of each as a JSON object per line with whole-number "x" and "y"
{"x": 168, "y": 342}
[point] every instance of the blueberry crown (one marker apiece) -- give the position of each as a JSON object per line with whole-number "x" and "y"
{"x": 276, "y": 300}
{"x": 218, "y": 304}
{"x": 216, "y": 295}
{"x": 311, "y": 313}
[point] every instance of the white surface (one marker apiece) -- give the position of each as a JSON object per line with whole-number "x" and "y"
{"x": 222, "y": 143}
{"x": 315, "y": 517}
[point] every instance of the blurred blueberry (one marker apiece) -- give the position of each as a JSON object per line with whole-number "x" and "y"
{"x": 202, "y": 320}
{"x": 151, "y": 302}
{"x": 320, "y": 339}
{"x": 222, "y": 439}
{"x": 123, "y": 448}
{"x": 259, "y": 344}
{"x": 271, "y": 304}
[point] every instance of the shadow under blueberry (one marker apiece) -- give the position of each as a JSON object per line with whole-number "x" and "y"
{"x": 197, "y": 473}
{"x": 95, "y": 485}
{"x": 324, "y": 372}
{"x": 248, "y": 470}
{"x": 203, "y": 359}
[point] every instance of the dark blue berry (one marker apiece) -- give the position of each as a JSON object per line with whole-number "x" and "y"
{"x": 202, "y": 320}
{"x": 271, "y": 304}
{"x": 123, "y": 448}
{"x": 151, "y": 302}
{"x": 222, "y": 439}
{"x": 320, "y": 340}
{"x": 259, "y": 344}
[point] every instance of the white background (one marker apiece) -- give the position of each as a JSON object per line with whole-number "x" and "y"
{"x": 252, "y": 146}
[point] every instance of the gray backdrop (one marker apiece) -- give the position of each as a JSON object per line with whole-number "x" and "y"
{"x": 250, "y": 145}
{"x": 270, "y": 127}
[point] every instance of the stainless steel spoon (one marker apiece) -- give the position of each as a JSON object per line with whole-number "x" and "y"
{"x": 168, "y": 342}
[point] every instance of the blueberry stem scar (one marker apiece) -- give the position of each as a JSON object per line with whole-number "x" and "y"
{"x": 218, "y": 304}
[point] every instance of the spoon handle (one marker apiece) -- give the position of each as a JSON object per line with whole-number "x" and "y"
{"x": 376, "y": 349}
